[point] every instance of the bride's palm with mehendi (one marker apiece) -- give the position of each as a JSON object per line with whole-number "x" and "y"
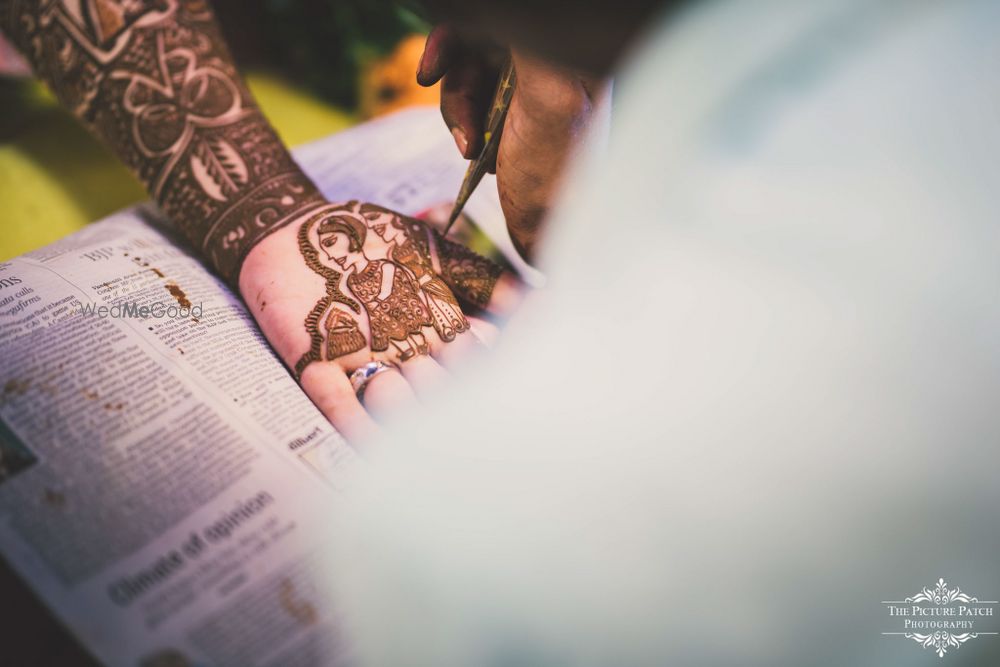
{"x": 353, "y": 283}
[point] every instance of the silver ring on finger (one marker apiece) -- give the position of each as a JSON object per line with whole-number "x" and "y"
{"x": 362, "y": 376}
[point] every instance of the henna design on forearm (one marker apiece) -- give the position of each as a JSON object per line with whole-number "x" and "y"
{"x": 154, "y": 79}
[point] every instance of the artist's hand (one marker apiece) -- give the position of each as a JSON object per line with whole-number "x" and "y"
{"x": 353, "y": 283}
{"x": 550, "y": 110}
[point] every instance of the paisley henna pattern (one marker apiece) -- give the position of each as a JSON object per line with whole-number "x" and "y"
{"x": 153, "y": 79}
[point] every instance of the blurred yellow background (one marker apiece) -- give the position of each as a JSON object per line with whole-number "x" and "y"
{"x": 55, "y": 177}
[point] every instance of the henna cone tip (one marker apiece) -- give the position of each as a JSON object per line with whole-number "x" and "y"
{"x": 455, "y": 212}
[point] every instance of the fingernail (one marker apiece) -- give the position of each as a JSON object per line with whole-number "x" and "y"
{"x": 420, "y": 66}
{"x": 460, "y": 140}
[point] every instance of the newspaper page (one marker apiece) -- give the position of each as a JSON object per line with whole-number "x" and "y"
{"x": 162, "y": 477}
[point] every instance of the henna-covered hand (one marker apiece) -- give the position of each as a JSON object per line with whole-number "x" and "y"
{"x": 354, "y": 283}
{"x": 333, "y": 287}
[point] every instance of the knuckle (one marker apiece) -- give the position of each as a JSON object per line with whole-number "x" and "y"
{"x": 331, "y": 393}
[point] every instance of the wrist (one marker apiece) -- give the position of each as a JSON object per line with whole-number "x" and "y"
{"x": 273, "y": 204}
{"x": 277, "y": 247}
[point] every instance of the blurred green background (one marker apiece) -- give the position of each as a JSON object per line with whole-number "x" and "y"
{"x": 315, "y": 66}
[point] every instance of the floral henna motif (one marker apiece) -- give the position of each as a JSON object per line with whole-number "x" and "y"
{"x": 154, "y": 79}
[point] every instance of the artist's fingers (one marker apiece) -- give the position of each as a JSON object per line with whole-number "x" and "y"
{"x": 465, "y": 99}
{"x": 331, "y": 391}
{"x": 387, "y": 394}
{"x": 440, "y": 51}
{"x": 424, "y": 374}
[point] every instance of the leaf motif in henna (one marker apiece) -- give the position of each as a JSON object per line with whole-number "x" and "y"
{"x": 218, "y": 168}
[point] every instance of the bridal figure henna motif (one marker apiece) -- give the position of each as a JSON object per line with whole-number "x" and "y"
{"x": 332, "y": 331}
{"x": 395, "y": 274}
{"x": 389, "y": 293}
{"x": 154, "y": 79}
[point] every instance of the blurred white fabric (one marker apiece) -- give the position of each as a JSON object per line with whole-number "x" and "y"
{"x": 758, "y": 395}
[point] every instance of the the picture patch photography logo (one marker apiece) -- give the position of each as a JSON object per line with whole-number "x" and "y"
{"x": 941, "y": 618}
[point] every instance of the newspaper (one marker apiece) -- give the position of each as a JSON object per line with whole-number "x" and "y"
{"x": 162, "y": 477}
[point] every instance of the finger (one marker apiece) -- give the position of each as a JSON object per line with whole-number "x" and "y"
{"x": 508, "y": 293}
{"x": 465, "y": 346}
{"x": 440, "y": 51}
{"x": 388, "y": 393}
{"x": 486, "y": 332}
{"x": 468, "y": 274}
{"x": 465, "y": 100}
{"x": 331, "y": 391}
{"x": 424, "y": 374}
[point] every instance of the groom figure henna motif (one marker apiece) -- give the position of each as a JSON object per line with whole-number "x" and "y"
{"x": 409, "y": 245}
